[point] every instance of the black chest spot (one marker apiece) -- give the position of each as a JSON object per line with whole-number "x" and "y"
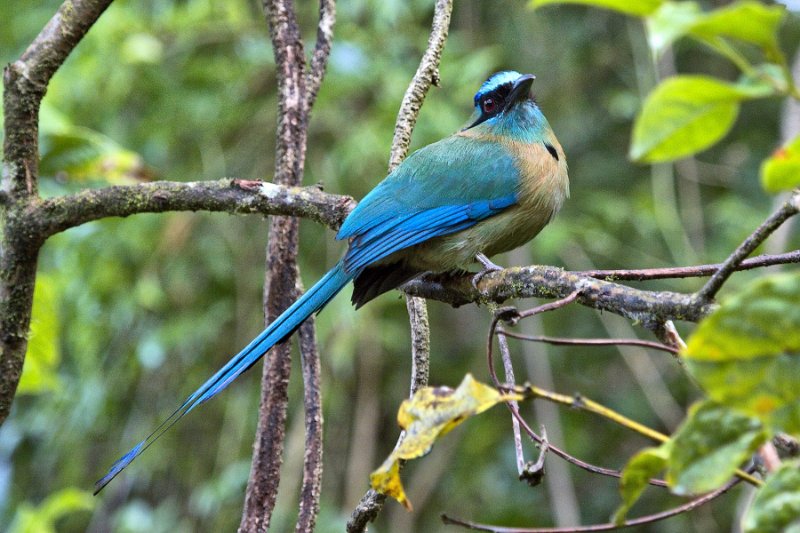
{"x": 552, "y": 150}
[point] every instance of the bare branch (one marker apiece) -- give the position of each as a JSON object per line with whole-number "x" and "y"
{"x": 427, "y": 74}
{"x": 594, "y": 469}
{"x": 587, "y": 342}
{"x": 26, "y": 81}
{"x": 225, "y": 195}
{"x": 508, "y": 369}
{"x": 510, "y": 314}
{"x": 322, "y": 50}
{"x": 685, "y": 508}
{"x": 697, "y": 271}
{"x": 786, "y": 211}
{"x": 420, "y": 343}
{"x": 366, "y": 511}
{"x": 312, "y": 404}
{"x": 282, "y": 270}
{"x": 648, "y": 307}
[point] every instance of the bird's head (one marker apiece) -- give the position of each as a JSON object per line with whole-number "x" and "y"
{"x": 504, "y": 104}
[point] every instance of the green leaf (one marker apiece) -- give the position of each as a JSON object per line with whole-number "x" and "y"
{"x": 747, "y": 21}
{"x": 636, "y": 475}
{"x": 686, "y": 114}
{"x": 669, "y": 23}
{"x": 637, "y": 8}
{"x": 781, "y": 170}
{"x": 40, "y": 372}
{"x": 709, "y": 446}
{"x": 746, "y": 355}
{"x": 776, "y": 507}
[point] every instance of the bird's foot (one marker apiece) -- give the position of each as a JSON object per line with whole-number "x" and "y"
{"x": 488, "y": 266}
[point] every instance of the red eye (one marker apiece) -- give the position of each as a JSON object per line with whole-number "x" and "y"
{"x": 489, "y": 105}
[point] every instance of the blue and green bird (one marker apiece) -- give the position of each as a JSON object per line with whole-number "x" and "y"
{"x": 486, "y": 189}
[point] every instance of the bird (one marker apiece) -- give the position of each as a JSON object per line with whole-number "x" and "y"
{"x": 486, "y": 189}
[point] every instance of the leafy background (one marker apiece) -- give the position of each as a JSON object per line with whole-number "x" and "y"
{"x": 131, "y": 314}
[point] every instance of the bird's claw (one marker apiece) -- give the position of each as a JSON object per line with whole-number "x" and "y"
{"x": 488, "y": 266}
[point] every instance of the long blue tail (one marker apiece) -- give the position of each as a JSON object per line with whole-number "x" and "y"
{"x": 312, "y": 301}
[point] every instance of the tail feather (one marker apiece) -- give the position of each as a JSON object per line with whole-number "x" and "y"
{"x": 283, "y": 326}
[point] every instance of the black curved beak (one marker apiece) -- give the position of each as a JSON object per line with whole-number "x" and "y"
{"x": 520, "y": 90}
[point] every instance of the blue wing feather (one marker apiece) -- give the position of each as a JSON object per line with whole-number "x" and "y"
{"x": 465, "y": 181}
{"x": 456, "y": 171}
{"x": 383, "y": 240}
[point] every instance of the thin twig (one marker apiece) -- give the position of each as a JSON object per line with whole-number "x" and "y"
{"x": 697, "y": 271}
{"x": 578, "y": 401}
{"x": 688, "y": 506}
{"x": 322, "y": 50}
{"x": 594, "y": 469}
{"x": 786, "y": 211}
{"x": 420, "y": 343}
{"x": 508, "y": 369}
{"x": 427, "y": 74}
{"x": 534, "y": 472}
{"x": 582, "y": 403}
{"x": 588, "y": 342}
{"x": 511, "y": 314}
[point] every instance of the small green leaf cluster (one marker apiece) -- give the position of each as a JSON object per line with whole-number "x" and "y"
{"x": 686, "y": 114}
{"x": 746, "y": 357}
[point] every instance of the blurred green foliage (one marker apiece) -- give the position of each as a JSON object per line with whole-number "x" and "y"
{"x": 132, "y": 314}
{"x": 776, "y": 506}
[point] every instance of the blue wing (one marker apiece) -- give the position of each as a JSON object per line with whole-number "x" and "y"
{"x": 443, "y": 188}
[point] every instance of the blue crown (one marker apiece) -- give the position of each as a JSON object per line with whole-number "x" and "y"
{"x": 496, "y": 80}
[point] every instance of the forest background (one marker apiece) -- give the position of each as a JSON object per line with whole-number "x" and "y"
{"x": 131, "y": 314}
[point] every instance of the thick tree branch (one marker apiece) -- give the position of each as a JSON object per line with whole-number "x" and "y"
{"x": 25, "y": 83}
{"x": 648, "y": 307}
{"x": 226, "y": 195}
{"x": 294, "y": 104}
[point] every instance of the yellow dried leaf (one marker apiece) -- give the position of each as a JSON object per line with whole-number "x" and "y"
{"x": 386, "y": 480}
{"x": 430, "y": 413}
